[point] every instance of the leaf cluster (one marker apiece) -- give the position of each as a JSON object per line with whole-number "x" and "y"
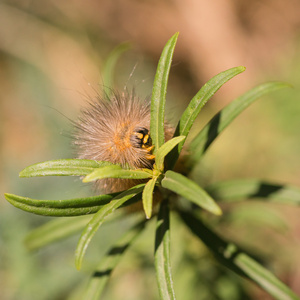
{"x": 167, "y": 182}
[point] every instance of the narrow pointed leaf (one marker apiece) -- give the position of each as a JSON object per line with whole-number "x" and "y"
{"x": 60, "y": 208}
{"x": 188, "y": 189}
{"x": 162, "y": 253}
{"x": 55, "y": 212}
{"x": 63, "y": 167}
{"x": 164, "y": 150}
{"x": 221, "y": 120}
{"x": 241, "y": 189}
{"x": 53, "y": 231}
{"x": 109, "y": 262}
{"x": 116, "y": 171}
{"x": 148, "y": 197}
{"x": 67, "y": 203}
{"x": 189, "y": 115}
{"x": 229, "y": 255}
{"x": 98, "y": 219}
{"x": 159, "y": 92}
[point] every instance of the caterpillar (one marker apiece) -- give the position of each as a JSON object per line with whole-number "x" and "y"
{"x": 116, "y": 128}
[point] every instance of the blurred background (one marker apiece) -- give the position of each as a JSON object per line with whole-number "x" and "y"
{"x": 52, "y": 56}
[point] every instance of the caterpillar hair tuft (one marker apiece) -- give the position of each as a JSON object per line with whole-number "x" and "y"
{"x": 116, "y": 129}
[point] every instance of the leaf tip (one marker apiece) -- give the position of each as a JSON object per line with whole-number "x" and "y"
{"x": 174, "y": 37}
{"x": 218, "y": 211}
{"x": 10, "y": 197}
{"x": 243, "y": 68}
{"x": 288, "y": 85}
{"x": 148, "y": 213}
{"x": 22, "y": 173}
{"x": 78, "y": 262}
{"x": 86, "y": 179}
{"x": 7, "y": 196}
{"x": 89, "y": 178}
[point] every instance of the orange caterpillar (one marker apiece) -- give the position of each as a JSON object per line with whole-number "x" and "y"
{"x": 116, "y": 130}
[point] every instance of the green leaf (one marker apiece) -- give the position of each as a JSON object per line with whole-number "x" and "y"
{"x": 63, "y": 167}
{"x": 241, "y": 189}
{"x": 148, "y": 197}
{"x": 162, "y": 253}
{"x": 110, "y": 66}
{"x": 164, "y": 150}
{"x": 98, "y": 219}
{"x": 60, "y": 208}
{"x": 67, "y": 203}
{"x": 229, "y": 255}
{"x": 188, "y": 189}
{"x": 53, "y": 231}
{"x": 115, "y": 171}
{"x": 189, "y": 115}
{"x": 109, "y": 262}
{"x": 159, "y": 92}
{"x": 221, "y": 120}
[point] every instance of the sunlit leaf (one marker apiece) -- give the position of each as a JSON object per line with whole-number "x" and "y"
{"x": 162, "y": 253}
{"x": 221, "y": 120}
{"x": 98, "y": 219}
{"x": 159, "y": 92}
{"x": 63, "y": 167}
{"x": 148, "y": 197}
{"x": 199, "y": 100}
{"x": 109, "y": 262}
{"x": 229, "y": 255}
{"x": 164, "y": 150}
{"x": 60, "y": 208}
{"x": 116, "y": 171}
{"x": 188, "y": 189}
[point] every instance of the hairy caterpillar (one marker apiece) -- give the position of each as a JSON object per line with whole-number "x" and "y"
{"x": 116, "y": 129}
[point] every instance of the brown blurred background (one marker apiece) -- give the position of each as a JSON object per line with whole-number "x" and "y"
{"x": 52, "y": 54}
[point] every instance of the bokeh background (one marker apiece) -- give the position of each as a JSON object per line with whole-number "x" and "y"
{"x": 52, "y": 56}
